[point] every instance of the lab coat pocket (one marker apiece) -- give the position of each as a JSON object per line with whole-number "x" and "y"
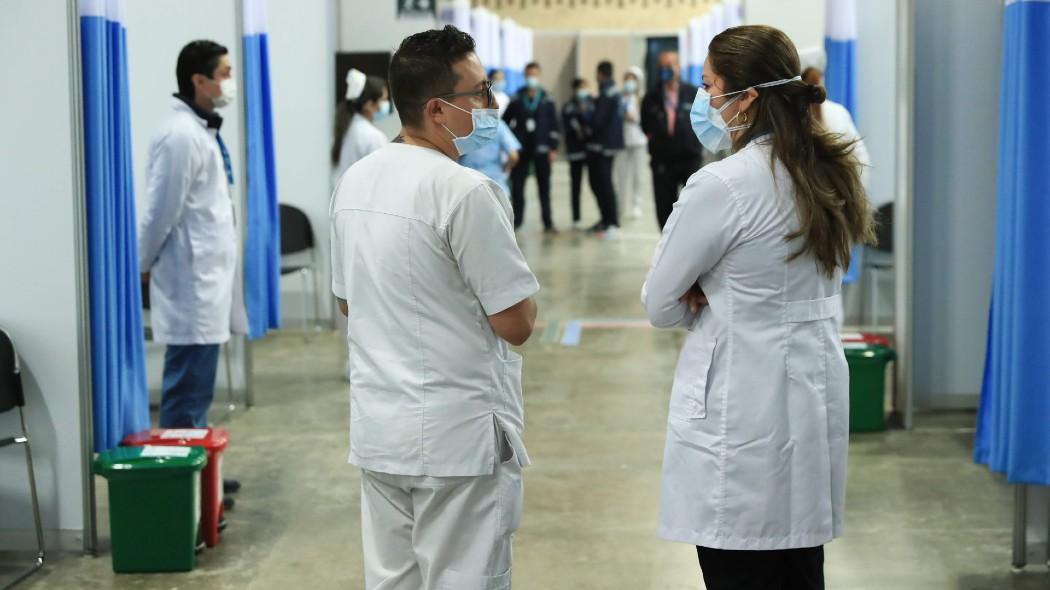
{"x": 689, "y": 394}
{"x": 452, "y": 580}
{"x": 511, "y": 383}
{"x": 511, "y": 497}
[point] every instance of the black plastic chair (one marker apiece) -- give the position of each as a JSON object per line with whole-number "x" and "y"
{"x": 11, "y": 397}
{"x": 297, "y": 238}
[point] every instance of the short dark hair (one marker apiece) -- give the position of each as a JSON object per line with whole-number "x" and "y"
{"x": 197, "y": 57}
{"x": 578, "y": 83}
{"x": 605, "y": 68}
{"x": 532, "y": 65}
{"x": 421, "y": 69}
{"x": 493, "y": 72}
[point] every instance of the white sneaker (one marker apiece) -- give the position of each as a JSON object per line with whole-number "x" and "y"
{"x": 612, "y": 232}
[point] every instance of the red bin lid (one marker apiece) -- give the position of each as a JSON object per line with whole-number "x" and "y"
{"x": 213, "y": 439}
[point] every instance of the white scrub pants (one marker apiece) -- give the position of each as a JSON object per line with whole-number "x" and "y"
{"x": 630, "y": 167}
{"x": 447, "y": 533}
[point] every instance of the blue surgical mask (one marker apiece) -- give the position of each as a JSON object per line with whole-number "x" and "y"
{"x": 499, "y": 86}
{"x": 384, "y": 110}
{"x": 630, "y": 86}
{"x": 582, "y": 94}
{"x": 532, "y": 82}
{"x": 710, "y": 128}
{"x": 486, "y": 126}
{"x": 666, "y": 74}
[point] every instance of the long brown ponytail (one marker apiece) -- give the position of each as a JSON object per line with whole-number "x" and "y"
{"x": 833, "y": 211}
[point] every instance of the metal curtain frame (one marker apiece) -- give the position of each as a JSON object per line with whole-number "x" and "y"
{"x": 904, "y": 249}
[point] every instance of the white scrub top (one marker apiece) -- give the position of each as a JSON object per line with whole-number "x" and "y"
{"x": 188, "y": 240}
{"x": 758, "y": 423}
{"x": 838, "y": 120}
{"x": 362, "y": 138}
{"x": 423, "y": 251}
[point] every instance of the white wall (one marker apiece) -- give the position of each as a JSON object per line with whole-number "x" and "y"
{"x": 368, "y": 25}
{"x": 957, "y": 75}
{"x": 38, "y": 301}
{"x": 802, "y": 20}
{"x": 302, "y": 61}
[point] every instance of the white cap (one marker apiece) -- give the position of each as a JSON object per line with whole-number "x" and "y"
{"x": 813, "y": 57}
{"x": 355, "y": 83}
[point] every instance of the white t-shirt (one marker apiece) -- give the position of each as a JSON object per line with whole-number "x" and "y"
{"x": 362, "y": 138}
{"x": 423, "y": 251}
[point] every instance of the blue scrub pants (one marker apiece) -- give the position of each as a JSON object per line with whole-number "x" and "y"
{"x": 189, "y": 385}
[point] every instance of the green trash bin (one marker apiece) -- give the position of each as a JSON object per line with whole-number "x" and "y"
{"x": 154, "y": 506}
{"x": 867, "y": 385}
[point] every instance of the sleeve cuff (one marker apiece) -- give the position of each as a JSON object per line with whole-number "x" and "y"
{"x": 500, "y": 301}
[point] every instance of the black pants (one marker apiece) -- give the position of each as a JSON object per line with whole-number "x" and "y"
{"x": 788, "y": 569}
{"x": 668, "y": 180}
{"x": 600, "y": 174}
{"x": 576, "y": 168}
{"x": 541, "y": 162}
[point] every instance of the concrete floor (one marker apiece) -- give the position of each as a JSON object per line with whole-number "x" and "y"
{"x": 921, "y": 515}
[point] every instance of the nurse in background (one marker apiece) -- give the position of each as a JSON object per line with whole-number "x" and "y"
{"x": 751, "y": 263}
{"x": 499, "y": 90}
{"x": 367, "y": 101}
{"x": 631, "y": 162}
{"x": 496, "y": 158}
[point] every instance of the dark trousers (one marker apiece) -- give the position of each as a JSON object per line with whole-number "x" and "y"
{"x": 668, "y": 180}
{"x": 541, "y": 162}
{"x": 600, "y": 175}
{"x": 788, "y": 569}
{"x": 576, "y": 168}
{"x": 189, "y": 385}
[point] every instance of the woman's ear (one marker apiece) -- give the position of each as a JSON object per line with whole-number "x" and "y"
{"x": 747, "y": 99}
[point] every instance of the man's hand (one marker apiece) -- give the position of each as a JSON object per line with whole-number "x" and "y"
{"x": 553, "y": 156}
{"x": 694, "y": 298}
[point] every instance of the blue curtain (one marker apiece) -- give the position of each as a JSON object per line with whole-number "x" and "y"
{"x": 121, "y": 401}
{"x": 1013, "y": 425}
{"x": 262, "y": 248}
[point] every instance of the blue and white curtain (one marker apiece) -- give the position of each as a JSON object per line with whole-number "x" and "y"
{"x": 1013, "y": 425}
{"x": 118, "y": 368}
{"x": 840, "y": 43}
{"x": 501, "y": 43}
{"x": 696, "y": 37}
{"x": 262, "y": 248}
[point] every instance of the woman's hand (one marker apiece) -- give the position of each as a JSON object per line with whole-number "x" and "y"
{"x": 694, "y": 298}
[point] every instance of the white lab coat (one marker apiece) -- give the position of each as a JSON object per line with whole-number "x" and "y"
{"x": 188, "y": 239}
{"x": 758, "y": 423}
{"x": 362, "y": 138}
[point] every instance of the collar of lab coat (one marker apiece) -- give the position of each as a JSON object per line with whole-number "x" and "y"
{"x": 211, "y": 120}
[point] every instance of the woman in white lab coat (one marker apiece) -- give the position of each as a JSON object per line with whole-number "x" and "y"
{"x": 367, "y": 101}
{"x": 750, "y": 263}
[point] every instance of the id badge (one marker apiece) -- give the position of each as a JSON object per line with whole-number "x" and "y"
{"x": 530, "y": 125}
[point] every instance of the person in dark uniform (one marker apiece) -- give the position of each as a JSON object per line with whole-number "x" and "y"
{"x": 533, "y": 117}
{"x": 673, "y": 147}
{"x": 605, "y": 140}
{"x": 574, "y": 120}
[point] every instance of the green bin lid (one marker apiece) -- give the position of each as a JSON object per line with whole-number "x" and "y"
{"x": 860, "y": 350}
{"x": 150, "y": 459}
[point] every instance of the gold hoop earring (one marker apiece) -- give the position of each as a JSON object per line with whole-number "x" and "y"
{"x": 743, "y": 118}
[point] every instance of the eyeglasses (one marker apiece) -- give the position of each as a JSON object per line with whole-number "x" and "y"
{"x": 485, "y": 93}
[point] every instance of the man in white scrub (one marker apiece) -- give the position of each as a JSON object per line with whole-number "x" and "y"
{"x": 427, "y": 270}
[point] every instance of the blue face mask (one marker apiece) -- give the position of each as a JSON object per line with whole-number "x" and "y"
{"x": 486, "y": 126}
{"x": 666, "y": 74}
{"x": 710, "y": 128}
{"x": 384, "y": 110}
{"x": 583, "y": 95}
{"x": 499, "y": 86}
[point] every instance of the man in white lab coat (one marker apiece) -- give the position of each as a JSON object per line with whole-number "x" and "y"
{"x": 427, "y": 270}
{"x": 188, "y": 239}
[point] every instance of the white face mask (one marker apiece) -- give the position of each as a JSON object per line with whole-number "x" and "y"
{"x": 228, "y": 88}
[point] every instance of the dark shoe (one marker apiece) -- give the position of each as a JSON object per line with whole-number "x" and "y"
{"x": 228, "y": 503}
{"x": 222, "y": 524}
{"x": 597, "y": 228}
{"x": 550, "y": 231}
{"x": 230, "y": 486}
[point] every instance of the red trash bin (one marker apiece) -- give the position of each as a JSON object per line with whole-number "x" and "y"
{"x": 213, "y": 440}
